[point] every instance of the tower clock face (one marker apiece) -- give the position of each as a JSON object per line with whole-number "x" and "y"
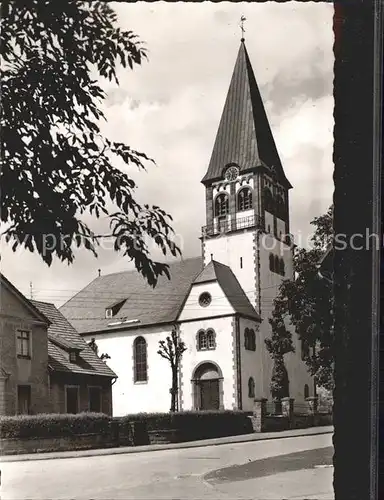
{"x": 231, "y": 173}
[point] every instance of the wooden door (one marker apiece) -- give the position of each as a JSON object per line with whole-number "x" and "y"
{"x": 209, "y": 395}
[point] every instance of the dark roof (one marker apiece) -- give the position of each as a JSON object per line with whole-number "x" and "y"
{"x": 231, "y": 287}
{"x": 244, "y": 136}
{"x": 65, "y": 338}
{"x": 86, "y": 310}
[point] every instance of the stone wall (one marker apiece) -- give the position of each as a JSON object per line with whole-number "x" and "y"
{"x": 18, "y": 446}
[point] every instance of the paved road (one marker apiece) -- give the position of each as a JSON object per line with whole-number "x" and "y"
{"x": 279, "y": 469}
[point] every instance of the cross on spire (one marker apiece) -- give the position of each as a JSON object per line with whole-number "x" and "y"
{"x": 242, "y": 19}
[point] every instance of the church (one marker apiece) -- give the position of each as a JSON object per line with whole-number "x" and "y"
{"x": 221, "y": 300}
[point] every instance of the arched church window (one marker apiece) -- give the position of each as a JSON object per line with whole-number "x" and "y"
{"x": 306, "y": 391}
{"x": 251, "y": 388}
{"x": 271, "y": 263}
{"x": 249, "y": 339}
{"x": 252, "y": 340}
{"x": 268, "y": 200}
{"x": 140, "y": 359}
{"x": 246, "y": 338}
{"x": 276, "y": 264}
{"x": 211, "y": 339}
{"x": 282, "y": 267}
{"x": 206, "y": 340}
{"x": 221, "y": 205}
{"x": 244, "y": 199}
{"x": 304, "y": 349}
{"x": 202, "y": 340}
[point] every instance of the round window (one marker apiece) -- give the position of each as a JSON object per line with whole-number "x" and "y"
{"x": 205, "y": 299}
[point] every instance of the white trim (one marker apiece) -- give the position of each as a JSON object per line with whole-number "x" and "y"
{"x": 100, "y": 399}
{"x": 78, "y": 396}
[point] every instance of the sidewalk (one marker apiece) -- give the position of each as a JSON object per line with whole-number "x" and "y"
{"x": 312, "y": 431}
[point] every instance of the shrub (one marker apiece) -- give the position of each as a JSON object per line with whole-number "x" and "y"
{"x": 195, "y": 424}
{"x": 53, "y": 425}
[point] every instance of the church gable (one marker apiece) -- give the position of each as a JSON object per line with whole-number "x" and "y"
{"x": 205, "y": 300}
{"x": 216, "y": 292}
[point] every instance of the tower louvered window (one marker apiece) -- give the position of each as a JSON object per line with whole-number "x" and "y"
{"x": 221, "y": 205}
{"x": 244, "y": 199}
{"x": 268, "y": 200}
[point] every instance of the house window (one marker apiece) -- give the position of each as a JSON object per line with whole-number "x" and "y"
{"x": 244, "y": 199}
{"x": 251, "y": 388}
{"x": 206, "y": 340}
{"x": 140, "y": 360}
{"x": 221, "y": 205}
{"x": 23, "y": 344}
{"x": 249, "y": 339}
{"x": 24, "y": 399}
{"x": 73, "y": 356}
{"x": 306, "y": 391}
{"x": 94, "y": 399}
{"x": 72, "y": 399}
{"x": 205, "y": 299}
{"x": 281, "y": 267}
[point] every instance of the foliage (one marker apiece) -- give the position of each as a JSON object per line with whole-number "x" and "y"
{"x": 279, "y": 379}
{"x": 53, "y": 425}
{"x": 306, "y": 302}
{"x": 58, "y": 169}
{"x": 172, "y": 349}
{"x": 195, "y": 424}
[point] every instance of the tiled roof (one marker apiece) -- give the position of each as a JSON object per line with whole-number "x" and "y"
{"x": 66, "y": 336}
{"x": 231, "y": 287}
{"x": 86, "y": 310}
{"x": 244, "y": 136}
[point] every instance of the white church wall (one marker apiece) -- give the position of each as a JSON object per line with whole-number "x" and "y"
{"x": 235, "y": 250}
{"x": 218, "y": 307}
{"x": 251, "y": 364}
{"x": 222, "y": 355}
{"x": 128, "y": 396}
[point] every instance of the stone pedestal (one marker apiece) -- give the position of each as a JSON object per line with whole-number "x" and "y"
{"x": 259, "y": 414}
{"x": 313, "y": 402}
{"x": 287, "y": 406}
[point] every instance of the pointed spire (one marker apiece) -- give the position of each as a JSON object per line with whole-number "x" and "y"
{"x": 244, "y": 136}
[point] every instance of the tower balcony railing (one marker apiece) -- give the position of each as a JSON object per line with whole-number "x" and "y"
{"x": 229, "y": 223}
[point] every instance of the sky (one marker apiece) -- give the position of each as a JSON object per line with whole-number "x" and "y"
{"x": 170, "y": 108}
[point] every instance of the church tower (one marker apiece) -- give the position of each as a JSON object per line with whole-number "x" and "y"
{"x": 247, "y": 204}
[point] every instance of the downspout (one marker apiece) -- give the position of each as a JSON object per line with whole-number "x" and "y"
{"x": 238, "y": 364}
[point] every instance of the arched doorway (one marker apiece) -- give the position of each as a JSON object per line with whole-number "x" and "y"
{"x": 207, "y": 384}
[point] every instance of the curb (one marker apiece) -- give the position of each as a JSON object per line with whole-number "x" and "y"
{"x": 245, "y": 438}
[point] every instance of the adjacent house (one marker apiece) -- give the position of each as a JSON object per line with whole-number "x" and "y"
{"x": 221, "y": 301}
{"x": 45, "y": 365}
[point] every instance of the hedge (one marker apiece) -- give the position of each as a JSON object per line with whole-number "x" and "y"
{"x": 195, "y": 424}
{"x": 53, "y": 425}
